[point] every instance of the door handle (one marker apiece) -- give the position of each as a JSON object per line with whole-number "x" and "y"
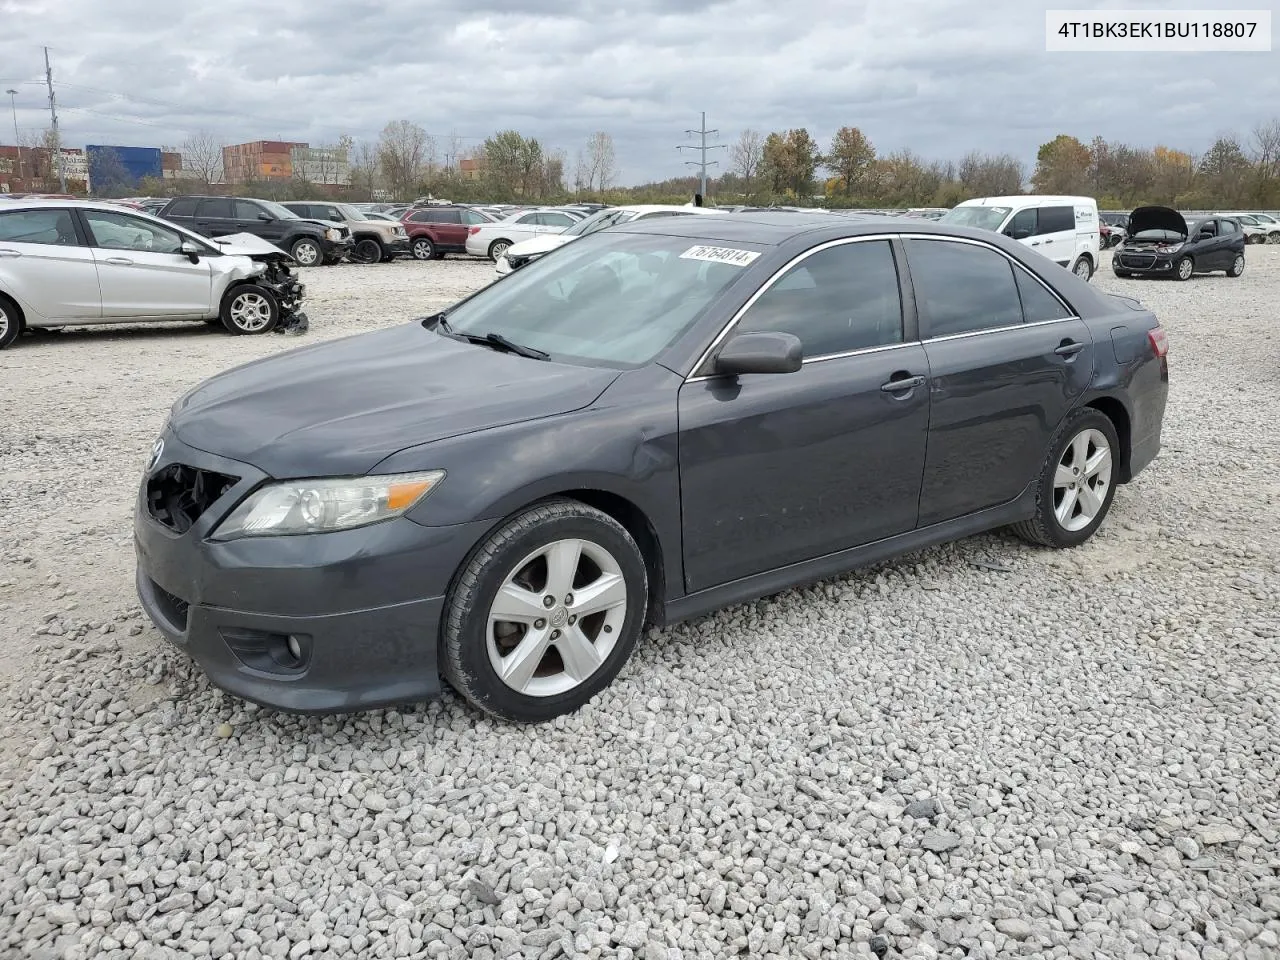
{"x": 1048, "y": 241}
{"x": 1068, "y": 348}
{"x": 122, "y": 261}
{"x": 1035, "y": 243}
{"x": 901, "y": 384}
{"x": 10, "y": 253}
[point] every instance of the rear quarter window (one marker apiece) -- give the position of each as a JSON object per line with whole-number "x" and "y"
{"x": 1057, "y": 219}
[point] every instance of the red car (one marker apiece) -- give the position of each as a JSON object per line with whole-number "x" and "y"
{"x": 440, "y": 229}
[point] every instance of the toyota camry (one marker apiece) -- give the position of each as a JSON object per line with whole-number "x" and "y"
{"x": 654, "y": 422}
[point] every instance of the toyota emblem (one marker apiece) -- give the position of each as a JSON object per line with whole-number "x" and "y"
{"x": 157, "y": 451}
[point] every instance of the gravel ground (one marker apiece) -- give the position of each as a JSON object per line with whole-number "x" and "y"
{"x": 979, "y": 750}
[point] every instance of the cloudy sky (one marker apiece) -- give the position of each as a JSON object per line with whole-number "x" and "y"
{"x": 939, "y": 76}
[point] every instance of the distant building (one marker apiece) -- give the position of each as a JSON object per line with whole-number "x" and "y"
{"x": 472, "y": 168}
{"x": 327, "y": 165}
{"x": 259, "y": 160}
{"x": 171, "y": 167}
{"x": 111, "y": 167}
{"x": 75, "y": 165}
{"x": 33, "y": 169}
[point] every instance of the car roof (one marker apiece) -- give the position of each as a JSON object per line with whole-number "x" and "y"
{"x": 659, "y": 208}
{"x": 1024, "y": 199}
{"x": 40, "y": 203}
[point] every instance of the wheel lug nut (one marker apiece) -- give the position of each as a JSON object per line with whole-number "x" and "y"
{"x": 548, "y": 601}
{"x": 608, "y": 629}
{"x": 555, "y": 634}
{"x": 568, "y": 599}
{"x": 539, "y": 623}
{"x": 573, "y": 620}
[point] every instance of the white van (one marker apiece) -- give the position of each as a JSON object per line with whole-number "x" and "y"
{"x": 1064, "y": 229}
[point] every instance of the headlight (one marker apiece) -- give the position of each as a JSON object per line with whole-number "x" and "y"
{"x": 1168, "y": 248}
{"x": 322, "y": 506}
{"x": 331, "y": 233}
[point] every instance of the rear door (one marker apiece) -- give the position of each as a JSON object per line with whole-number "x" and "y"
{"x": 216, "y": 217}
{"x": 45, "y": 264}
{"x": 549, "y": 221}
{"x": 451, "y": 230}
{"x": 143, "y": 271}
{"x": 182, "y": 211}
{"x": 1056, "y": 233}
{"x": 1007, "y": 359}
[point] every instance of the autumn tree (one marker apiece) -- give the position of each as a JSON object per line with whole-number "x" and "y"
{"x": 790, "y": 161}
{"x": 850, "y": 158}
{"x": 1062, "y": 166}
{"x": 745, "y": 156}
{"x": 402, "y": 152}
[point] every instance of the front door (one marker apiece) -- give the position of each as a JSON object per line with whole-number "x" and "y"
{"x": 46, "y": 266}
{"x": 143, "y": 271}
{"x": 780, "y": 468}
{"x": 1007, "y": 360}
{"x": 256, "y": 219}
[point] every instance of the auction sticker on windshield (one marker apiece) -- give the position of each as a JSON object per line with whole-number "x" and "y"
{"x": 739, "y": 258}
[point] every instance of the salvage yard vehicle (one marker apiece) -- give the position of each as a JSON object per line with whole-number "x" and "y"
{"x": 1064, "y": 229}
{"x": 77, "y": 263}
{"x": 310, "y": 242}
{"x": 492, "y": 239}
{"x": 692, "y": 412}
{"x": 437, "y": 230}
{"x": 1162, "y": 243}
{"x": 373, "y": 240}
{"x": 1254, "y": 230}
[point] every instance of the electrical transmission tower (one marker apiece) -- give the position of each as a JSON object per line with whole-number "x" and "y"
{"x": 53, "y": 113}
{"x": 702, "y": 149}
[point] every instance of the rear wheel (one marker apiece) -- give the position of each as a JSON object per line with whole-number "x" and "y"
{"x": 250, "y": 309}
{"x": 1077, "y": 482}
{"x": 545, "y": 613}
{"x": 307, "y": 252}
{"x": 10, "y": 322}
{"x": 1184, "y": 268}
{"x": 1237, "y": 266}
{"x": 423, "y": 248}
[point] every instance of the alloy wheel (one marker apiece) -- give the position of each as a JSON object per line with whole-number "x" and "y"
{"x": 4, "y": 323}
{"x": 556, "y": 617}
{"x": 498, "y": 249}
{"x": 306, "y": 253}
{"x": 1084, "y": 270}
{"x": 1185, "y": 268}
{"x": 250, "y": 312}
{"x": 1081, "y": 479}
{"x": 422, "y": 249}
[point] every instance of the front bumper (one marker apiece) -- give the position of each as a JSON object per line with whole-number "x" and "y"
{"x": 363, "y": 606}
{"x": 1153, "y": 264}
{"x": 399, "y": 247}
{"x": 335, "y": 249}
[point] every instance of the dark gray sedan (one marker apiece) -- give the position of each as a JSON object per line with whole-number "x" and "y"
{"x": 645, "y": 425}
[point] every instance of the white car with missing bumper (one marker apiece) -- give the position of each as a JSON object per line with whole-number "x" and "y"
{"x": 79, "y": 263}
{"x": 518, "y": 254}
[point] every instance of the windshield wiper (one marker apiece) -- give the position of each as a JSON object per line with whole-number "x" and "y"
{"x": 489, "y": 340}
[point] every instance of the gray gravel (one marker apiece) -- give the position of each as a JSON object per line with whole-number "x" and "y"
{"x": 979, "y": 750}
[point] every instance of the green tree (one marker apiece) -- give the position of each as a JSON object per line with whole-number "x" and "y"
{"x": 790, "y": 162}
{"x": 851, "y": 158}
{"x": 1062, "y": 166}
{"x": 514, "y": 164}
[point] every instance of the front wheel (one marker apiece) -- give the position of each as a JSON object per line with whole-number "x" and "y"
{"x": 250, "y": 309}
{"x": 367, "y": 250}
{"x": 423, "y": 249}
{"x": 1076, "y": 484}
{"x": 1237, "y": 266}
{"x": 545, "y": 612}
{"x": 497, "y": 249}
{"x": 307, "y": 252}
{"x": 1185, "y": 268}
{"x": 1274, "y": 236}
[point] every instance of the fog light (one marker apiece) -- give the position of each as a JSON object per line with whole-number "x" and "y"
{"x": 295, "y": 648}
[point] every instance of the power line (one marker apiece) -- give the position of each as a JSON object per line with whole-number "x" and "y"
{"x": 53, "y": 114}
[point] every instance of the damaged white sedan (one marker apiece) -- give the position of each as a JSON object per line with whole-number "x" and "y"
{"x": 78, "y": 263}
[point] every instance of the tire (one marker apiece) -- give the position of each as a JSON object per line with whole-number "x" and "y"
{"x": 306, "y": 250}
{"x": 1082, "y": 434}
{"x": 497, "y": 249}
{"x": 475, "y": 645}
{"x": 1237, "y": 266}
{"x": 423, "y": 248}
{"x": 367, "y": 250}
{"x": 1083, "y": 269}
{"x": 10, "y": 321}
{"x": 1184, "y": 268}
{"x": 1274, "y": 236}
{"x": 249, "y": 309}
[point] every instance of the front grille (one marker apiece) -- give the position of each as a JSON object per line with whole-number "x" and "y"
{"x": 517, "y": 262}
{"x": 178, "y": 495}
{"x": 1132, "y": 260}
{"x": 174, "y": 609}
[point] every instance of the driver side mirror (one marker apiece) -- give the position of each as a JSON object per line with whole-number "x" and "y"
{"x": 1019, "y": 234}
{"x": 190, "y": 251}
{"x": 760, "y": 353}
{"x": 265, "y": 217}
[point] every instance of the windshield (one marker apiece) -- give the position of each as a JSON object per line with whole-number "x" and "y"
{"x": 279, "y": 212}
{"x": 349, "y": 212}
{"x": 613, "y": 299}
{"x": 1265, "y": 218}
{"x": 598, "y": 221}
{"x": 984, "y": 218}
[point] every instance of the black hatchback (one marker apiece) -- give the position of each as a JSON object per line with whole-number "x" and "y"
{"x": 655, "y": 421}
{"x": 1160, "y": 242}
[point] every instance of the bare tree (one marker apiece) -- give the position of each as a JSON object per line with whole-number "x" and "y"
{"x": 581, "y": 172}
{"x": 746, "y": 155}
{"x": 402, "y": 150}
{"x": 364, "y": 168}
{"x": 202, "y": 156}
{"x": 601, "y": 161}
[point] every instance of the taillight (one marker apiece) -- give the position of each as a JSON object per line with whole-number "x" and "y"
{"x": 1159, "y": 341}
{"x": 473, "y": 230}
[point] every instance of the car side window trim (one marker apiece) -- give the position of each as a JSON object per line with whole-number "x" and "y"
{"x": 910, "y": 331}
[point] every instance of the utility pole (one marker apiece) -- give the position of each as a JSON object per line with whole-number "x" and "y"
{"x": 53, "y": 113}
{"x": 702, "y": 149}
{"x": 17, "y": 138}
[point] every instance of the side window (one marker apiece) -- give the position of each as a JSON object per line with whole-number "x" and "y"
{"x": 119, "y": 231}
{"x": 423, "y": 216}
{"x": 1037, "y": 302}
{"x": 217, "y": 208}
{"x": 531, "y": 218}
{"x": 1023, "y": 224}
{"x": 247, "y": 210}
{"x": 842, "y": 298}
{"x": 1228, "y": 226}
{"x": 1057, "y": 220}
{"x": 555, "y": 220}
{"x": 38, "y": 226}
{"x": 184, "y": 207}
{"x": 962, "y": 287}
{"x": 448, "y": 216}
{"x": 471, "y": 218}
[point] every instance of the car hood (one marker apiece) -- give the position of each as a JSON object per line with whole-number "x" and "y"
{"x": 536, "y": 246}
{"x": 1156, "y": 218}
{"x": 248, "y": 245}
{"x": 339, "y": 408}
